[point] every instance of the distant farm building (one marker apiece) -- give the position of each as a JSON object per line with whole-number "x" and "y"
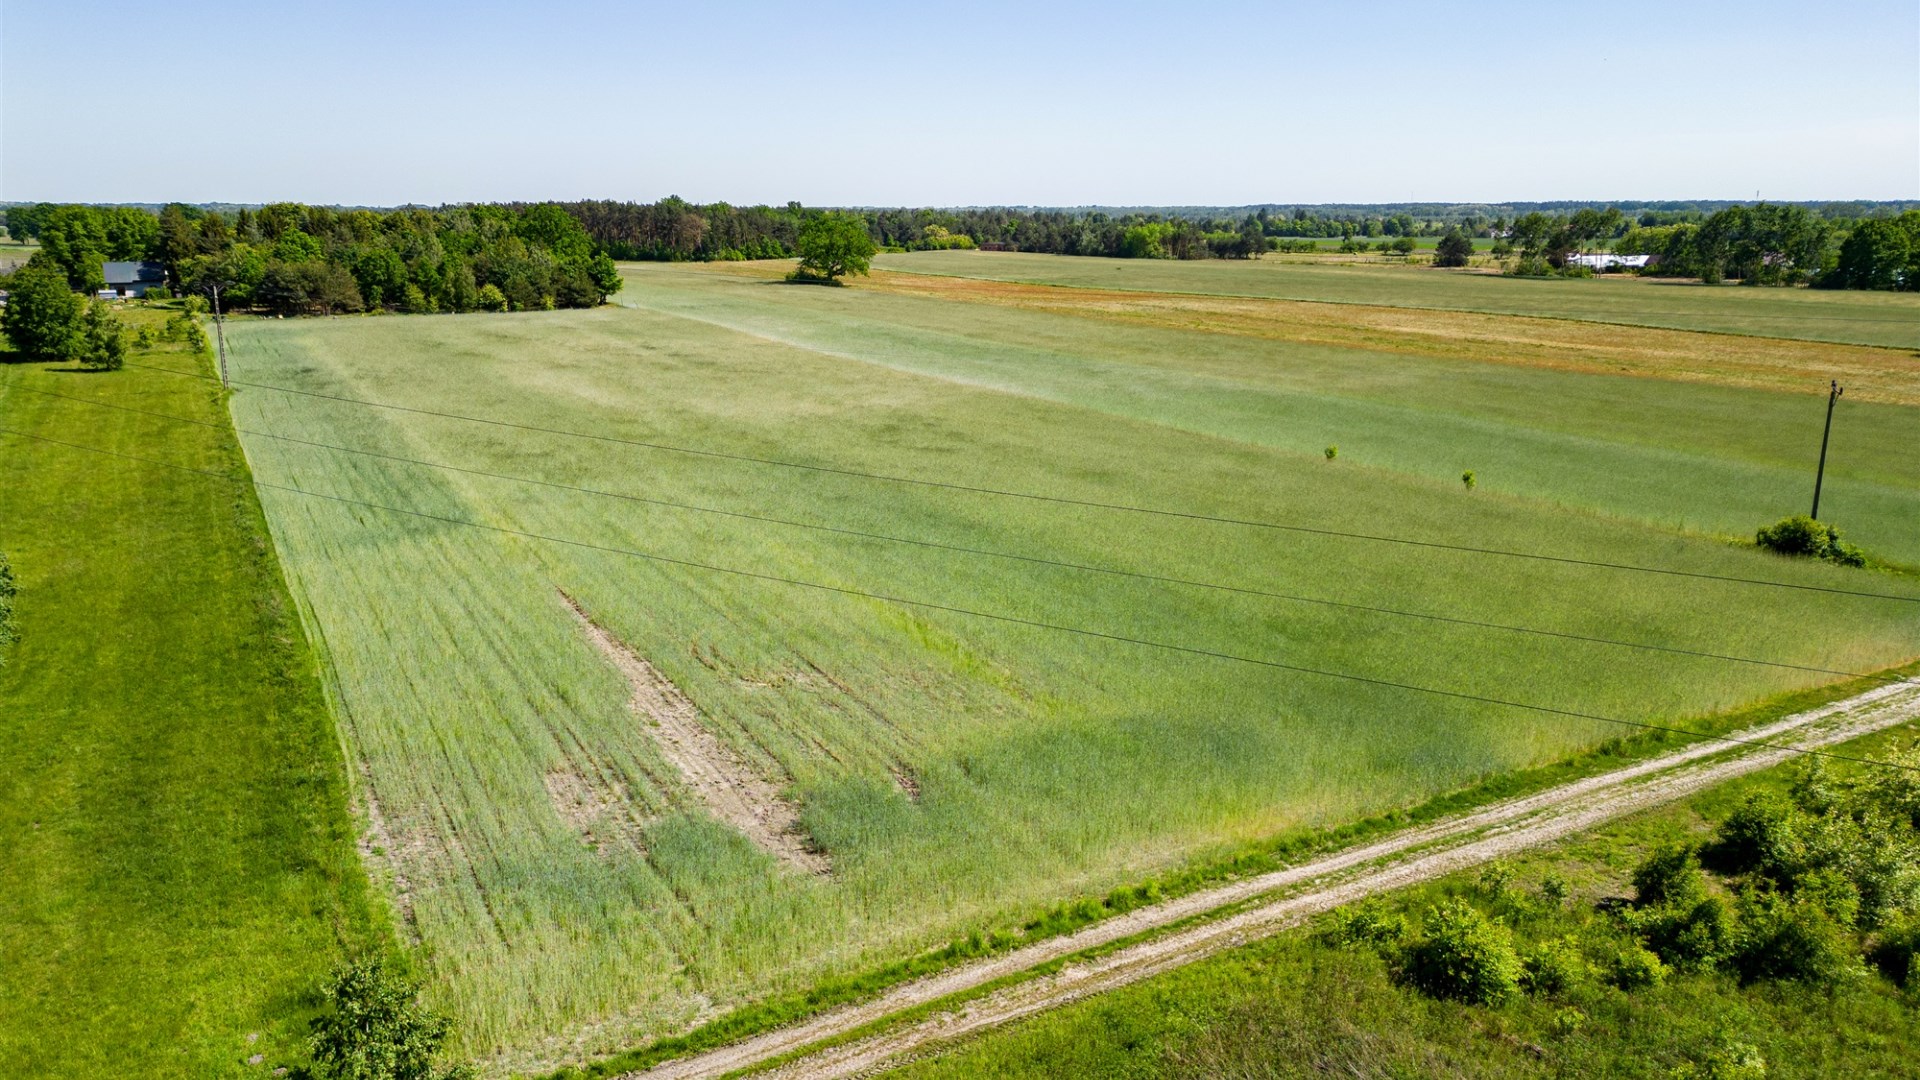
{"x": 133, "y": 278}
{"x": 1606, "y": 261}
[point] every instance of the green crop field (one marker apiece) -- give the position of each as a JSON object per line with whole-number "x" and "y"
{"x": 1861, "y": 318}
{"x": 176, "y": 862}
{"x": 572, "y": 882}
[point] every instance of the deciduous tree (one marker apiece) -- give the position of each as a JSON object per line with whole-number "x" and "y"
{"x": 42, "y": 316}
{"x": 833, "y": 245}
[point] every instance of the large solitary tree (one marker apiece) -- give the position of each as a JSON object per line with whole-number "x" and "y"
{"x": 831, "y": 246}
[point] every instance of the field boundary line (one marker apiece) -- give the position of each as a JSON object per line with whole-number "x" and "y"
{"x": 1402, "y": 858}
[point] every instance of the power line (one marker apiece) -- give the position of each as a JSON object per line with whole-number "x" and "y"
{"x": 1055, "y": 499}
{"x": 985, "y": 552}
{"x": 973, "y": 613}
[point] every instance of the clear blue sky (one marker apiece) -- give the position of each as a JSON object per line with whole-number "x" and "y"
{"x": 945, "y": 104}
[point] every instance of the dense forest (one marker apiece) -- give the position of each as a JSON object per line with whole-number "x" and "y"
{"x": 290, "y": 259}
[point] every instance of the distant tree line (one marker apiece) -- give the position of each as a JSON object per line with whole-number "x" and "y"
{"x": 292, "y": 259}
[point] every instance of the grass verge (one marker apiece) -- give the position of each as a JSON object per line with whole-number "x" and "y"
{"x": 180, "y": 870}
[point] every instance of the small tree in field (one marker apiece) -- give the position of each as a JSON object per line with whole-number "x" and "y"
{"x": 103, "y": 344}
{"x": 1453, "y": 249}
{"x": 376, "y": 1029}
{"x": 832, "y": 246}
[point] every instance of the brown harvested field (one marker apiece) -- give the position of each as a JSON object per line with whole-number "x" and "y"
{"x": 1885, "y": 375}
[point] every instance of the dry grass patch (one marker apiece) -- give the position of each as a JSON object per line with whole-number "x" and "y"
{"x": 1870, "y": 374}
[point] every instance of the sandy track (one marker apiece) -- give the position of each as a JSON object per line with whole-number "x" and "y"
{"x": 1342, "y": 877}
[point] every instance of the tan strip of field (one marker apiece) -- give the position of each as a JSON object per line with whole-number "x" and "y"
{"x": 728, "y": 786}
{"x": 1869, "y": 373}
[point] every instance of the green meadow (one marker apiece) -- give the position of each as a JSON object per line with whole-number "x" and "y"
{"x": 1859, "y": 318}
{"x": 177, "y": 871}
{"x": 572, "y": 895}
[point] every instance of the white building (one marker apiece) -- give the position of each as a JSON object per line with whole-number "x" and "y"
{"x": 1609, "y": 261}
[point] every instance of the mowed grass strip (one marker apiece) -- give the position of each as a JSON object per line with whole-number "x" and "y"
{"x": 1853, "y": 317}
{"x": 957, "y": 773}
{"x": 178, "y": 858}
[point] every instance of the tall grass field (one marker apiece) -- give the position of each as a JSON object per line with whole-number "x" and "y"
{"x": 571, "y": 893}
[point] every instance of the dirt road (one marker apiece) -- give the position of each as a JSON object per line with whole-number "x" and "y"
{"x": 1342, "y": 877}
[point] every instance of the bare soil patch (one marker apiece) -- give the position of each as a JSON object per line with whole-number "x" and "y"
{"x": 597, "y": 807}
{"x": 724, "y": 783}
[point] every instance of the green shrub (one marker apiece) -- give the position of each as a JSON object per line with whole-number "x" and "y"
{"x": 1554, "y": 890}
{"x": 1897, "y": 952}
{"x": 1761, "y": 836}
{"x": 1692, "y": 937}
{"x": 1464, "y": 956}
{"x": 1552, "y": 967}
{"x": 1802, "y": 536}
{"x": 1367, "y": 924}
{"x": 1496, "y": 879}
{"x": 1790, "y": 939}
{"x": 1897, "y": 790}
{"x": 374, "y": 1028}
{"x": 1730, "y": 1060}
{"x": 159, "y": 292}
{"x": 1568, "y": 1020}
{"x": 1469, "y": 479}
{"x": 8, "y": 632}
{"x": 1669, "y": 876}
{"x": 490, "y": 298}
{"x": 1636, "y": 968}
{"x": 1332, "y": 452}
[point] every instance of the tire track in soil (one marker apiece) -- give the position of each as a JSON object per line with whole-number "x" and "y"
{"x": 1402, "y": 859}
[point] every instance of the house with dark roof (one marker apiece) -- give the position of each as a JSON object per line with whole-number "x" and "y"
{"x": 133, "y": 278}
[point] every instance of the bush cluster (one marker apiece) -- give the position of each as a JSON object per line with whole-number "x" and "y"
{"x": 1803, "y": 536}
{"x": 375, "y": 1028}
{"x": 1798, "y": 886}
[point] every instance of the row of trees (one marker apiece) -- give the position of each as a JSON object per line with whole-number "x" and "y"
{"x": 292, "y": 259}
{"x": 1766, "y": 243}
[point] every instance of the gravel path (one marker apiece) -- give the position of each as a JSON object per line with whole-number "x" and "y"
{"x": 1325, "y": 883}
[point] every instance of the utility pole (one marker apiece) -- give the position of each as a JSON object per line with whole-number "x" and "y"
{"x": 1834, "y": 390}
{"x": 220, "y": 336}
